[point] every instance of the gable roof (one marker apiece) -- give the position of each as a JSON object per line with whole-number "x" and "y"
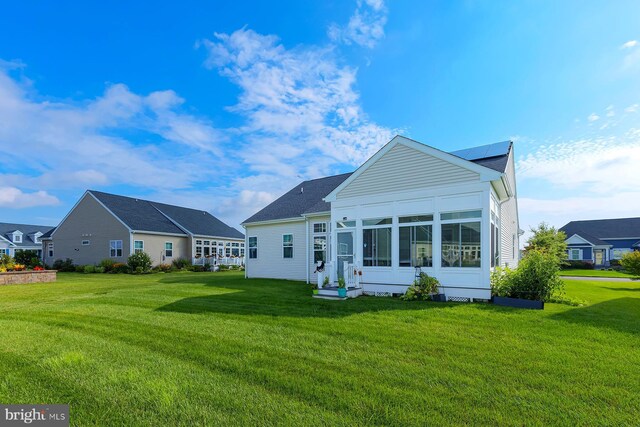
{"x": 604, "y": 228}
{"x": 145, "y": 215}
{"x": 26, "y": 229}
{"x": 295, "y": 203}
{"x": 304, "y": 198}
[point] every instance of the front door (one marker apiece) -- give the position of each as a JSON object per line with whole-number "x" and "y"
{"x": 599, "y": 256}
{"x": 344, "y": 250}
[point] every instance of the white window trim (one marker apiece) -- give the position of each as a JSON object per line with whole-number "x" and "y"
{"x": 165, "y": 249}
{"x": 138, "y": 249}
{"x": 414, "y": 224}
{"x": 288, "y": 246}
{"x": 572, "y": 251}
{"x": 249, "y": 247}
{"x": 462, "y": 221}
{"x": 116, "y": 248}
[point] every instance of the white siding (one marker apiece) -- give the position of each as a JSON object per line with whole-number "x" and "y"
{"x": 270, "y": 262}
{"x": 509, "y": 224}
{"x": 404, "y": 168}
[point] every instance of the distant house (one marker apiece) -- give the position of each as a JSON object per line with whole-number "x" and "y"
{"x": 21, "y": 237}
{"x": 602, "y": 240}
{"x": 452, "y": 215}
{"x": 103, "y": 225}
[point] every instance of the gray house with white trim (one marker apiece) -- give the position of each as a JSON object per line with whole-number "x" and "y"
{"x": 103, "y": 225}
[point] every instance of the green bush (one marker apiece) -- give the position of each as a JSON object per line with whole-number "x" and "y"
{"x": 107, "y": 264}
{"x": 119, "y": 267}
{"x": 6, "y": 262}
{"x": 99, "y": 270}
{"x": 27, "y": 258}
{"x": 631, "y": 262}
{"x": 162, "y": 268}
{"x": 536, "y": 278}
{"x": 79, "y": 269}
{"x": 139, "y": 262}
{"x": 181, "y": 263}
{"x": 89, "y": 269}
{"x": 64, "y": 266}
{"x": 422, "y": 288}
{"x": 197, "y": 268}
{"x": 577, "y": 265}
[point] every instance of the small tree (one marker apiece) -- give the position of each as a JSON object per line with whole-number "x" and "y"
{"x": 28, "y": 258}
{"x": 139, "y": 262}
{"x": 631, "y": 262}
{"x": 548, "y": 240}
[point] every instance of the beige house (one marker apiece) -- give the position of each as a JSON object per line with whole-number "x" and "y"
{"x": 103, "y": 225}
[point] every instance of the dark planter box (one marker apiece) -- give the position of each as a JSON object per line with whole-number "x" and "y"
{"x": 438, "y": 298}
{"x": 518, "y": 303}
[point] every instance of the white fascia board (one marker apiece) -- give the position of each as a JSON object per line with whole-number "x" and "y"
{"x": 159, "y": 233}
{"x": 8, "y": 241}
{"x": 486, "y": 174}
{"x": 315, "y": 214}
{"x": 273, "y": 221}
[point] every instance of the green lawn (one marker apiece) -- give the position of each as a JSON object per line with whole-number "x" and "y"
{"x": 216, "y": 349}
{"x": 594, "y": 273}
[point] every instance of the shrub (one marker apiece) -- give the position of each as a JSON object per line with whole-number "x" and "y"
{"x": 79, "y": 269}
{"x": 6, "y": 262}
{"x": 19, "y": 267}
{"x": 139, "y": 262}
{"x": 614, "y": 263}
{"x": 119, "y": 267}
{"x": 88, "y": 269}
{"x": 107, "y": 264}
{"x": 99, "y": 270}
{"x": 631, "y": 262}
{"x": 27, "y": 258}
{"x": 578, "y": 265}
{"x": 162, "y": 268}
{"x": 197, "y": 268}
{"x": 422, "y": 288}
{"x": 64, "y": 266}
{"x": 181, "y": 263}
{"x": 536, "y": 278}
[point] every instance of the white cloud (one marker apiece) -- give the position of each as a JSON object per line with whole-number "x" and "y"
{"x": 629, "y": 44}
{"x": 610, "y": 111}
{"x": 14, "y": 198}
{"x": 303, "y": 116}
{"x": 632, "y": 108}
{"x": 365, "y": 27}
{"x": 593, "y": 117}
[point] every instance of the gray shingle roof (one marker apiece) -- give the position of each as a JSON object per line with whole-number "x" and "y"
{"x": 305, "y": 197}
{"x": 295, "y": 203}
{"x": 145, "y": 215}
{"x": 26, "y": 229}
{"x": 604, "y": 228}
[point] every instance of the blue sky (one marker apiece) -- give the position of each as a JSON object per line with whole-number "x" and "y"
{"x": 225, "y": 106}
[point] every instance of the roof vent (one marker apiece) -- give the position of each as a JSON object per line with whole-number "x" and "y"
{"x": 301, "y": 190}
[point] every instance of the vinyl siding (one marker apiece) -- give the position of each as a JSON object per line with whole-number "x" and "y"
{"x": 509, "y": 224}
{"x": 154, "y": 246}
{"x": 89, "y": 220}
{"x": 270, "y": 262}
{"x": 404, "y": 168}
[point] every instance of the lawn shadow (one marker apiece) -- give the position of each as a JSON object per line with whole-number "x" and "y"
{"x": 623, "y": 289}
{"x": 619, "y": 314}
{"x": 276, "y": 298}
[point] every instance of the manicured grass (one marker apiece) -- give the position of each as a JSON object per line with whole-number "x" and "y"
{"x": 594, "y": 273}
{"x": 216, "y": 349}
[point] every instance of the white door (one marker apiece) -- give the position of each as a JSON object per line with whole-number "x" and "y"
{"x": 345, "y": 250}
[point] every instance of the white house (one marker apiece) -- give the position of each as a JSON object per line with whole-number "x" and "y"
{"x": 22, "y": 237}
{"x": 409, "y": 207}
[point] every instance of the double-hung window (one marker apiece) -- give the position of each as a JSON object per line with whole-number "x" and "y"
{"x": 376, "y": 242}
{"x": 575, "y": 254}
{"x": 138, "y": 246}
{"x": 287, "y": 246}
{"x": 115, "y": 248}
{"x": 461, "y": 244}
{"x": 168, "y": 249}
{"x": 253, "y": 247}
{"x": 416, "y": 241}
{"x": 319, "y": 242}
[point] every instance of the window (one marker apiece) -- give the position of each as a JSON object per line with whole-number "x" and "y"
{"x": 168, "y": 249}
{"x": 17, "y": 238}
{"x": 345, "y": 224}
{"x": 495, "y": 240}
{"x": 461, "y": 244}
{"x": 319, "y": 248}
{"x": 86, "y": 243}
{"x": 376, "y": 242}
{"x": 253, "y": 247}
{"x": 415, "y": 218}
{"x": 235, "y": 249}
{"x": 4, "y": 251}
{"x": 320, "y": 227}
{"x": 115, "y": 248}
{"x": 575, "y": 254}
{"x": 287, "y": 246}
{"x": 50, "y": 249}
{"x": 460, "y": 215}
{"x": 138, "y": 246}
{"x": 415, "y": 246}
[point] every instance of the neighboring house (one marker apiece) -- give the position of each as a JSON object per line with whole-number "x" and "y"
{"x": 22, "y": 237}
{"x": 410, "y": 205}
{"x": 602, "y": 240}
{"x": 103, "y": 225}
